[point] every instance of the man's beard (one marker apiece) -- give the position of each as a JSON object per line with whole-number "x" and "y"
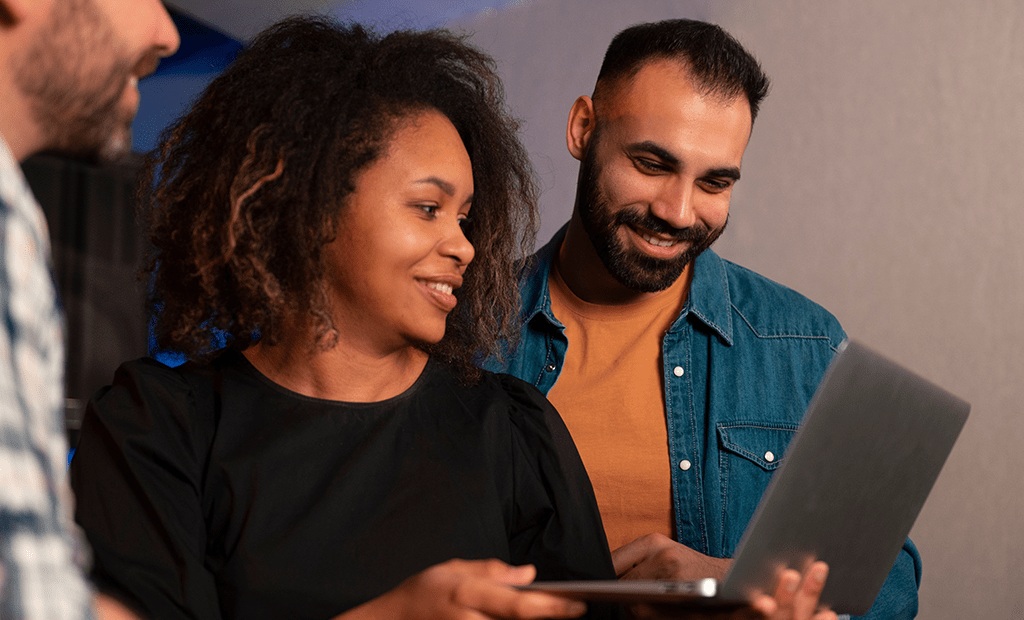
{"x": 631, "y": 267}
{"x": 75, "y": 103}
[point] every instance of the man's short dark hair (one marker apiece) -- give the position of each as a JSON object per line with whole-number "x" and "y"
{"x": 716, "y": 61}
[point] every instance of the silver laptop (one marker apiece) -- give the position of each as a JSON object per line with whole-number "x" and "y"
{"x": 850, "y": 486}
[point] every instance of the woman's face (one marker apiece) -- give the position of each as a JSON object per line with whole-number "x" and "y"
{"x": 400, "y": 250}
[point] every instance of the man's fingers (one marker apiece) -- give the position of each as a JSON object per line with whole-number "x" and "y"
{"x": 805, "y": 601}
{"x": 785, "y": 591}
{"x": 764, "y": 605}
{"x": 632, "y": 553}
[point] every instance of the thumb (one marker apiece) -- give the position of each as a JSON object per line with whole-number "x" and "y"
{"x": 516, "y": 575}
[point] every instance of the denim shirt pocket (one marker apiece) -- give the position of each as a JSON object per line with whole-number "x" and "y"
{"x": 749, "y": 453}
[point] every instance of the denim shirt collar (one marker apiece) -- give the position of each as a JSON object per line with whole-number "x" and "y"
{"x": 536, "y": 298}
{"x": 709, "y": 300}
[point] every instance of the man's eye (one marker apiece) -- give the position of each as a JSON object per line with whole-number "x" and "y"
{"x": 648, "y": 165}
{"x": 716, "y": 185}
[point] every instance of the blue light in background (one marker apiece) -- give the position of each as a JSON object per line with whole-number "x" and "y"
{"x": 206, "y": 51}
{"x": 180, "y": 78}
{"x": 396, "y": 14}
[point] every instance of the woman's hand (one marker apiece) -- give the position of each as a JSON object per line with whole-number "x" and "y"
{"x": 467, "y": 589}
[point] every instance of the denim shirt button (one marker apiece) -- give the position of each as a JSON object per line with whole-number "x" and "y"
{"x": 678, "y": 371}
{"x": 685, "y": 465}
{"x": 769, "y": 456}
{"x": 550, "y": 368}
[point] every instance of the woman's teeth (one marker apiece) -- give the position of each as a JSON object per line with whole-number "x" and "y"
{"x": 444, "y": 288}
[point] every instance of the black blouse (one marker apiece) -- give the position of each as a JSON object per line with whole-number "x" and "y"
{"x": 208, "y": 491}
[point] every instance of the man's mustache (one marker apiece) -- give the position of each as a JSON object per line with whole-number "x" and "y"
{"x": 698, "y": 232}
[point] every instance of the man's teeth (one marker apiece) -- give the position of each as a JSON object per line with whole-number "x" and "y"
{"x": 444, "y": 288}
{"x": 658, "y": 242}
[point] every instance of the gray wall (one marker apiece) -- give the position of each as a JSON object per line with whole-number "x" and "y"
{"x": 883, "y": 181}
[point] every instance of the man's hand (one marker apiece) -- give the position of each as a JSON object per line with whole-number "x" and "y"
{"x": 656, "y": 556}
{"x": 796, "y": 596}
{"x": 467, "y": 589}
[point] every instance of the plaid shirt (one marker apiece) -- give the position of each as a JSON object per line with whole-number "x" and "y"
{"x": 39, "y": 577}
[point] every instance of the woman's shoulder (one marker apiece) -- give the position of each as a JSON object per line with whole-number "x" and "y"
{"x": 495, "y": 389}
{"x": 149, "y": 396}
{"x": 526, "y": 408}
{"x": 142, "y": 382}
{"x": 186, "y": 375}
{"x": 511, "y": 387}
{"x": 149, "y": 379}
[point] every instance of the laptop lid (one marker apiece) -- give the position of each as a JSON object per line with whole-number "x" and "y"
{"x": 853, "y": 480}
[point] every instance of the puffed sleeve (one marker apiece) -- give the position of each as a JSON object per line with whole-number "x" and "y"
{"x": 558, "y": 526}
{"x": 137, "y": 475}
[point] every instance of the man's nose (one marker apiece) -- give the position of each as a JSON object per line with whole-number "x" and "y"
{"x": 674, "y": 204}
{"x": 166, "y": 38}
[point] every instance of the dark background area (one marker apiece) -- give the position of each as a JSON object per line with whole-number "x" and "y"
{"x": 97, "y": 250}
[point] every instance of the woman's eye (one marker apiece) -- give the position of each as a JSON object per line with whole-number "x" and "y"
{"x": 429, "y": 209}
{"x": 465, "y": 222}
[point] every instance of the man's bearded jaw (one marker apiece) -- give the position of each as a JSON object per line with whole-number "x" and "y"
{"x": 631, "y": 267}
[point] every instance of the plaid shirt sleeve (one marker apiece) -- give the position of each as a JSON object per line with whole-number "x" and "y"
{"x": 39, "y": 576}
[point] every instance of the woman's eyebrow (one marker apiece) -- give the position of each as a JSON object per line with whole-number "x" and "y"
{"x": 444, "y": 186}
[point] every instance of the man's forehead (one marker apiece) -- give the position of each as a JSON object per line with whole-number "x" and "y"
{"x": 656, "y": 86}
{"x": 661, "y": 106}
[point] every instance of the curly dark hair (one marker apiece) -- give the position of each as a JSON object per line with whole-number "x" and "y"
{"x": 248, "y": 187}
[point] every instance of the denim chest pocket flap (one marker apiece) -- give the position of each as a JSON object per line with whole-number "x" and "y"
{"x": 757, "y": 442}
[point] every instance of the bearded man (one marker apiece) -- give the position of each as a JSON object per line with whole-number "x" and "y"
{"x": 68, "y": 82}
{"x": 681, "y": 376}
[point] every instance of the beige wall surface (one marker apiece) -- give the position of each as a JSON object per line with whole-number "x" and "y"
{"x": 883, "y": 181}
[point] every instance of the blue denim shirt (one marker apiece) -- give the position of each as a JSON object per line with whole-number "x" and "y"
{"x": 739, "y": 367}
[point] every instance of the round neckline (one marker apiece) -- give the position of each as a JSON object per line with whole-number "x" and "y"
{"x": 249, "y": 369}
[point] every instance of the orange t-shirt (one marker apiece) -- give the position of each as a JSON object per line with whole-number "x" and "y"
{"x": 610, "y": 393}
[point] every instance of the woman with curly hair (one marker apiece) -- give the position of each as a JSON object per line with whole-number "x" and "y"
{"x": 345, "y": 210}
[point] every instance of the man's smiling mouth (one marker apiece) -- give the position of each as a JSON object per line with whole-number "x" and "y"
{"x": 661, "y": 243}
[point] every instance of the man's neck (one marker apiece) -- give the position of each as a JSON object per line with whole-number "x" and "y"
{"x": 585, "y": 274}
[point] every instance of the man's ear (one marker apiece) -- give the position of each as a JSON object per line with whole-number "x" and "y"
{"x": 582, "y": 121}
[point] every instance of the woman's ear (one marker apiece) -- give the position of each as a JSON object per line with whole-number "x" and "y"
{"x": 582, "y": 121}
